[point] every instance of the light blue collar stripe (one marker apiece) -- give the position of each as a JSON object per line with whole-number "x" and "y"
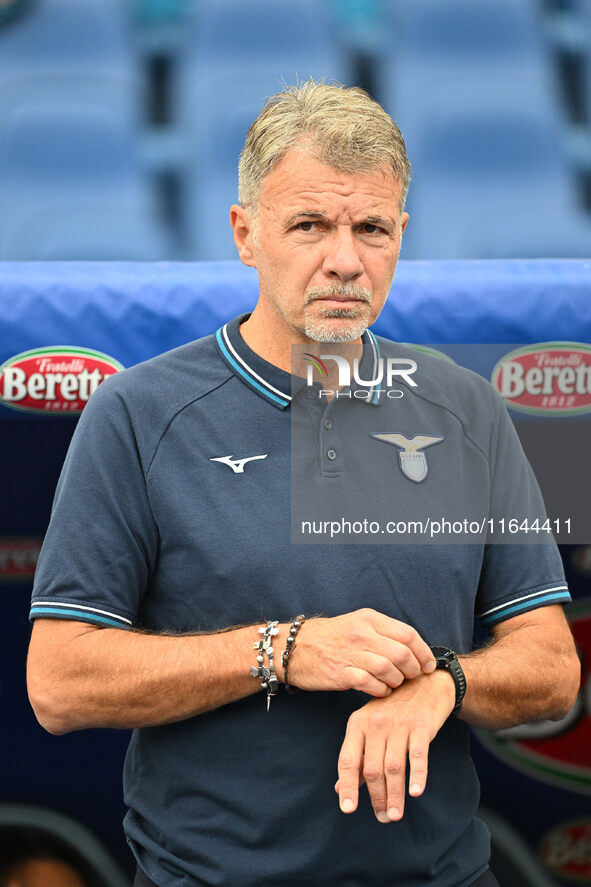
{"x": 77, "y": 614}
{"x": 249, "y": 369}
{"x": 376, "y": 397}
{"x": 245, "y": 375}
{"x": 531, "y": 604}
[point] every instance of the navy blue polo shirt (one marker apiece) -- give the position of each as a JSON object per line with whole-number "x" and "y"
{"x": 172, "y": 514}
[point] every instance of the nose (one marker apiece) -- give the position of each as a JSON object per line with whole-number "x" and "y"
{"x": 342, "y": 259}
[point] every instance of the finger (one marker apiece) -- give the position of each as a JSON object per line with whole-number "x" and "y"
{"x": 398, "y": 659}
{"x": 407, "y": 635}
{"x": 357, "y": 678}
{"x": 418, "y": 757}
{"x": 349, "y": 768}
{"x": 361, "y": 782}
{"x": 373, "y": 771}
{"x": 381, "y": 667}
{"x": 395, "y": 771}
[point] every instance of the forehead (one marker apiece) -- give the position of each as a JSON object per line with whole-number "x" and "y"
{"x": 300, "y": 181}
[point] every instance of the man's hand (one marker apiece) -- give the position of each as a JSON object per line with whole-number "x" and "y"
{"x": 74, "y": 668}
{"x": 383, "y": 734}
{"x": 364, "y": 650}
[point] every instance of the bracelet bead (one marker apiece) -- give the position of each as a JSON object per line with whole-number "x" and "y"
{"x": 267, "y": 676}
{"x": 289, "y": 646}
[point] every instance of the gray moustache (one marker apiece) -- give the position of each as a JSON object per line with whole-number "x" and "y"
{"x": 343, "y": 292}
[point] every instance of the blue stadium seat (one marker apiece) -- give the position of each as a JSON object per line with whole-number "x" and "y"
{"x": 475, "y": 161}
{"x": 66, "y": 34}
{"x": 495, "y": 46}
{"x": 64, "y": 49}
{"x": 112, "y": 228}
{"x": 71, "y": 101}
{"x": 454, "y": 30}
{"x": 536, "y": 230}
{"x": 224, "y": 108}
{"x": 235, "y": 30}
{"x": 70, "y": 188}
{"x": 475, "y": 94}
{"x": 238, "y": 55}
{"x": 67, "y": 144}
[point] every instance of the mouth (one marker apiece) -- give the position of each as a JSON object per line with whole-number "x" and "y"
{"x": 340, "y": 297}
{"x": 341, "y": 301}
{"x": 342, "y": 304}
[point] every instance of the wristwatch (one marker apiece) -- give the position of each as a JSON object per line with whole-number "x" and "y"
{"x": 446, "y": 658}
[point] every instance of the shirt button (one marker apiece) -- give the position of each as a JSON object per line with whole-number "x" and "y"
{"x": 328, "y": 424}
{"x": 331, "y": 455}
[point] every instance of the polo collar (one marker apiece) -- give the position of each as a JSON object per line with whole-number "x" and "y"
{"x": 274, "y": 384}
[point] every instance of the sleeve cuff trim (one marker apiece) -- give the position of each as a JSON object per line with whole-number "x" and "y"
{"x": 541, "y": 598}
{"x": 77, "y": 611}
{"x": 521, "y": 598}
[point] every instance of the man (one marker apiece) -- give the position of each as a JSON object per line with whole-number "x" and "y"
{"x": 30, "y": 857}
{"x": 42, "y": 873}
{"x": 172, "y": 520}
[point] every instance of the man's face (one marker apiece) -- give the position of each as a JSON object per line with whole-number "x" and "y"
{"x": 325, "y": 247}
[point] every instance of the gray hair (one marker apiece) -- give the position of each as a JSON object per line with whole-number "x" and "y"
{"x": 341, "y": 126}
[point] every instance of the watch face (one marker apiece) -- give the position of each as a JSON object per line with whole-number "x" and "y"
{"x": 443, "y": 654}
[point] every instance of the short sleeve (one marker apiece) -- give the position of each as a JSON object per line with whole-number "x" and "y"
{"x": 101, "y": 544}
{"x": 521, "y": 571}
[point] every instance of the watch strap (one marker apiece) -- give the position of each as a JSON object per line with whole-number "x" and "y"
{"x": 446, "y": 658}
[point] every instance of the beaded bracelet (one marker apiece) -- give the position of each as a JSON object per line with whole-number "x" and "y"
{"x": 267, "y": 676}
{"x": 289, "y": 645}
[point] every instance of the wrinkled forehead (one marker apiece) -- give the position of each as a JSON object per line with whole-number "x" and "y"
{"x": 301, "y": 178}
{"x": 303, "y": 167}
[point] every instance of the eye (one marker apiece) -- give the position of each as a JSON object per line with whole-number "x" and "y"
{"x": 369, "y": 228}
{"x": 305, "y": 226}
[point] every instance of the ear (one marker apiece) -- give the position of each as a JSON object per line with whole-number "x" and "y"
{"x": 242, "y": 227}
{"x": 403, "y": 221}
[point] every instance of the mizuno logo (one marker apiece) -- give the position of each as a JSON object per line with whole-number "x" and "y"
{"x": 237, "y": 465}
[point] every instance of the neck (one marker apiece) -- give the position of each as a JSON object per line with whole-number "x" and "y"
{"x": 273, "y": 342}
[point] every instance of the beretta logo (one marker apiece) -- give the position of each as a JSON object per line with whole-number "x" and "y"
{"x": 555, "y": 752}
{"x": 18, "y": 558}
{"x": 550, "y": 378}
{"x": 57, "y": 380}
{"x": 566, "y": 850}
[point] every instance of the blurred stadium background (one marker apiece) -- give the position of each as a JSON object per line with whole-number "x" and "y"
{"x": 121, "y": 121}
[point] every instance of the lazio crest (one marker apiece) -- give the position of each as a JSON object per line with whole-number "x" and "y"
{"x": 413, "y": 461}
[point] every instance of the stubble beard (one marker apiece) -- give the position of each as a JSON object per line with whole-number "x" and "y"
{"x": 320, "y": 323}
